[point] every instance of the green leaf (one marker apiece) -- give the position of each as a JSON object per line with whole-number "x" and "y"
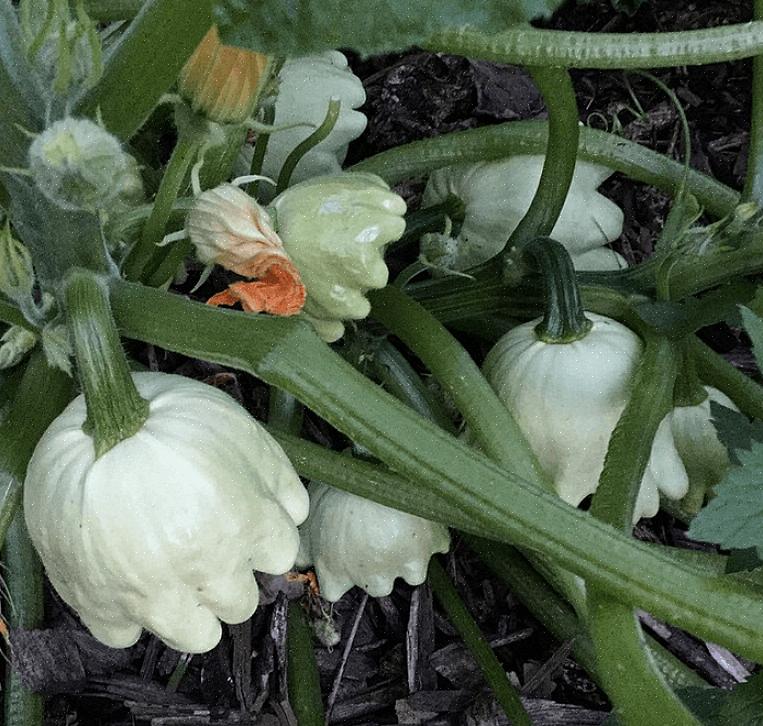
{"x": 735, "y": 431}
{"x": 754, "y": 327}
{"x": 743, "y": 560}
{"x": 743, "y": 705}
{"x": 291, "y": 28}
{"x": 734, "y": 518}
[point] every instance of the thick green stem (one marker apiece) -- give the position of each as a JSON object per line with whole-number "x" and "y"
{"x": 564, "y": 319}
{"x": 631, "y": 677}
{"x": 115, "y": 410}
{"x": 534, "y": 47}
{"x": 496, "y": 429}
{"x": 41, "y": 396}
{"x": 23, "y": 578}
{"x": 753, "y": 188}
{"x": 458, "y": 616}
{"x": 288, "y": 354}
{"x": 375, "y": 482}
{"x": 688, "y": 390}
{"x": 716, "y": 371}
{"x": 559, "y": 164}
{"x": 419, "y": 158}
{"x": 144, "y": 257}
{"x": 397, "y": 375}
{"x": 302, "y": 670}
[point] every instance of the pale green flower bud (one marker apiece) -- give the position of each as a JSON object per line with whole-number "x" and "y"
{"x": 79, "y": 165}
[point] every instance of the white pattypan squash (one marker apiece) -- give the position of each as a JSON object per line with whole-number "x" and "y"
{"x": 354, "y": 541}
{"x": 567, "y": 399}
{"x": 334, "y": 229}
{"x": 306, "y": 85}
{"x": 601, "y": 259}
{"x": 164, "y": 530}
{"x": 497, "y": 194}
{"x": 704, "y": 456}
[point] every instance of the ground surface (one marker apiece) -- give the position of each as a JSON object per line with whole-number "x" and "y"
{"x": 406, "y": 664}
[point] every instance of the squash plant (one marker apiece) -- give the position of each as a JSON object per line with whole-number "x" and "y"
{"x": 83, "y": 261}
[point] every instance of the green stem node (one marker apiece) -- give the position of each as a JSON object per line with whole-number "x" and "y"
{"x": 115, "y": 410}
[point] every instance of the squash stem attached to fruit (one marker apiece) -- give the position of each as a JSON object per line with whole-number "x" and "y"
{"x": 115, "y": 410}
{"x": 564, "y": 320}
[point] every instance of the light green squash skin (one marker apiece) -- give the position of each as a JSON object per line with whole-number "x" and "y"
{"x": 354, "y": 541}
{"x": 334, "y": 228}
{"x": 497, "y": 195}
{"x": 162, "y": 531}
{"x": 567, "y": 399}
{"x": 704, "y": 456}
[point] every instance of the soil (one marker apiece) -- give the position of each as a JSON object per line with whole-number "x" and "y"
{"x": 406, "y": 663}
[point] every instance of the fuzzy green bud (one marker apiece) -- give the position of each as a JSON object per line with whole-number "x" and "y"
{"x": 79, "y": 165}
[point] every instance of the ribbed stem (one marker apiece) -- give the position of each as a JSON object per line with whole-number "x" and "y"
{"x": 533, "y": 47}
{"x": 418, "y": 158}
{"x": 564, "y": 320}
{"x": 716, "y": 371}
{"x": 22, "y": 575}
{"x": 141, "y": 260}
{"x": 622, "y": 657}
{"x": 115, "y": 410}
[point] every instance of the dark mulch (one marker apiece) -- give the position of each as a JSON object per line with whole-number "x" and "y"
{"x": 406, "y": 664}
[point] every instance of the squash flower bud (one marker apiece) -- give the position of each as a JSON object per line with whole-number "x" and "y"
{"x": 354, "y": 541}
{"x": 163, "y": 530}
{"x": 222, "y": 82}
{"x": 79, "y": 165}
{"x": 228, "y": 228}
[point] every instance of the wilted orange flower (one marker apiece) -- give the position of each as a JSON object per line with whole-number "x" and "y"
{"x": 222, "y": 81}
{"x": 228, "y": 228}
{"x": 278, "y": 290}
